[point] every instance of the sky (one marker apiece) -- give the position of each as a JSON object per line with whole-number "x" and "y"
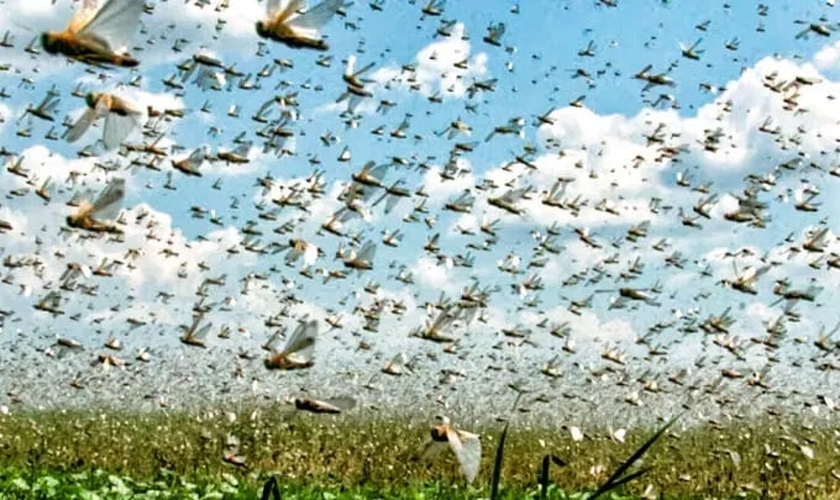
{"x": 755, "y": 111}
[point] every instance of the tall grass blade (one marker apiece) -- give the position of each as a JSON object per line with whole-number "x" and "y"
{"x": 629, "y": 477}
{"x": 500, "y": 452}
{"x": 497, "y": 465}
{"x": 270, "y": 489}
{"x": 545, "y": 477}
{"x": 616, "y": 479}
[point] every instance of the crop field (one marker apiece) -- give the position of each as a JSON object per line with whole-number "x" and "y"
{"x": 108, "y": 454}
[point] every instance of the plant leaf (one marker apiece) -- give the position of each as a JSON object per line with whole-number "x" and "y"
{"x": 545, "y": 477}
{"x": 616, "y": 480}
{"x": 497, "y": 466}
{"x": 500, "y": 452}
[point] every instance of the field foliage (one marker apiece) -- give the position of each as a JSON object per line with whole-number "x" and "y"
{"x": 110, "y": 454}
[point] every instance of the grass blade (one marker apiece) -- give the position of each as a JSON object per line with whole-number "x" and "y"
{"x": 500, "y": 452}
{"x": 270, "y": 489}
{"x": 546, "y": 463}
{"x": 497, "y": 465}
{"x": 545, "y": 478}
{"x": 616, "y": 479}
{"x": 629, "y": 477}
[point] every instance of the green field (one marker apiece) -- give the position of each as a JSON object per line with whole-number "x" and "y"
{"x": 108, "y": 454}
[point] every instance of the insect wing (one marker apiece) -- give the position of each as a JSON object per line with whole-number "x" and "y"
{"x": 208, "y": 78}
{"x": 117, "y": 128}
{"x": 364, "y": 70}
{"x": 301, "y": 345}
{"x": 82, "y": 17}
{"x": 351, "y": 63}
{"x": 49, "y": 104}
{"x": 432, "y": 449}
{"x": 108, "y": 203}
{"x": 367, "y": 253}
{"x": 281, "y": 14}
{"x": 53, "y": 299}
{"x": 116, "y": 22}
{"x": 310, "y": 254}
{"x": 272, "y": 7}
{"x": 467, "y": 448}
{"x": 436, "y": 5}
{"x": 69, "y": 273}
{"x": 443, "y": 321}
{"x": 85, "y": 271}
{"x": 310, "y": 21}
{"x": 344, "y": 214}
{"x": 201, "y": 334}
{"x": 80, "y": 127}
{"x": 395, "y": 366}
{"x": 243, "y": 149}
{"x": 293, "y": 254}
{"x": 379, "y": 172}
{"x": 81, "y": 197}
{"x": 497, "y": 31}
{"x": 390, "y": 202}
{"x": 272, "y": 344}
{"x": 343, "y": 403}
{"x": 197, "y": 157}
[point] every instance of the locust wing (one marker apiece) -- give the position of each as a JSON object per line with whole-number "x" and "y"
{"x": 117, "y": 128}
{"x": 82, "y": 17}
{"x": 84, "y": 122}
{"x": 300, "y": 348}
{"x": 467, "y": 448}
{"x": 433, "y": 449}
{"x": 107, "y": 205}
{"x": 308, "y": 23}
{"x": 272, "y": 7}
{"x": 367, "y": 253}
{"x": 114, "y": 23}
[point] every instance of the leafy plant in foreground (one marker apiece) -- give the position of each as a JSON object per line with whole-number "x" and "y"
{"x": 618, "y": 478}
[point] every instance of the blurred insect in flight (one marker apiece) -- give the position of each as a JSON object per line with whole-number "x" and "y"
{"x": 121, "y": 118}
{"x": 465, "y": 445}
{"x": 333, "y": 405}
{"x": 285, "y": 24}
{"x": 98, "y": 35}
{"x": 96, "y": 216}
{"x": 298, "y": 351}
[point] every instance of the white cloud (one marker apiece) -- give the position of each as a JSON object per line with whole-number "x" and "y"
{"x": 436, "y": 70}
{"x": 432, "y": 275}
{"x": 826, "y": 58}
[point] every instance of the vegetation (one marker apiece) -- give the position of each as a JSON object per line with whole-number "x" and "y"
{"x": 110, "y": 454}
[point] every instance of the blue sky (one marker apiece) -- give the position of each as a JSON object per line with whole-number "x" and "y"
{"x": 603, "y": 146}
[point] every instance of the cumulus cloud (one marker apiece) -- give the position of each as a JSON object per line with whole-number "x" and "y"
{"x": 443, "y": 67}
{"x": 826, "y": 58}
